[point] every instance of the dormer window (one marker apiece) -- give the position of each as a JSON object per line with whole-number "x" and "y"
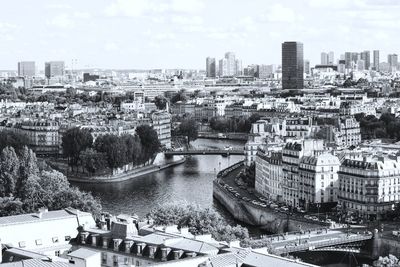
{"x": 22, "y": 244}
{"x": 38, "y": 242}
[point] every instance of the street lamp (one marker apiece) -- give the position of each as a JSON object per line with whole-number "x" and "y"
{"x": 318, "y": 206}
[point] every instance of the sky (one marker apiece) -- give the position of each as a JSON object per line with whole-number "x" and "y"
{"x": 145, "y": 34}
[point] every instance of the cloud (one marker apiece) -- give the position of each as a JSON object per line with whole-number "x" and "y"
{"x": 187, "y": 6}
{"x": 186, "y": 20}
{"x": 82, "y": 15}
{"x": 133, "y": 8}
{"x": 63, "y": 21}
{"x": 111, "y": 46}
{"x": 58, "y": 6}
{"x": 280, "y": 13}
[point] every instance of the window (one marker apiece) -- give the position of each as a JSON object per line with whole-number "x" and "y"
{"x": 22, "y": 244}
{"x": 55, "y": 239}
{"x": 57, "y": 253}
{"x": 72, "y": 261}
{"x": 38, "y": 242}
{"x": 67, "y": 238}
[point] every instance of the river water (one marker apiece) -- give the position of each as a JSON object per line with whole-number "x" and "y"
{"x": 190, "y": 182}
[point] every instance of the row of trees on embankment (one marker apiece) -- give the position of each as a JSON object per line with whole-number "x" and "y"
{"x": 109, "y": 150}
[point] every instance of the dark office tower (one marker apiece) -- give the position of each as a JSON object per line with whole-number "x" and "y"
{"x": 211, "y": 67}
{"x": 376, "y": 60}
{"x": 292, "y": 65}
{"x": 26, "y": 68}
{"x": 366, "y": 56}
{"x": 54, "y": 69}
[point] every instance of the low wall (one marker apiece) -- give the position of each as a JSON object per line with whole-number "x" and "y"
{"x": 270, "y": 220}
{"x": 127, "y": 175}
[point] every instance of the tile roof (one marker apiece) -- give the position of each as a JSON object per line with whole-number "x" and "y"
{"x": 33, "y": 217}
{"x": 83, "y": 253}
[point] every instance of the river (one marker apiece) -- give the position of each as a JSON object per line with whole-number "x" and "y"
{"x": 190, "y": 182}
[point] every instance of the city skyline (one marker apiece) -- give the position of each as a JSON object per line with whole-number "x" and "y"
{"x": 108, "y": 35}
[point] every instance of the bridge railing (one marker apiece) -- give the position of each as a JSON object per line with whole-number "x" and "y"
{"x": 323, "y": 243}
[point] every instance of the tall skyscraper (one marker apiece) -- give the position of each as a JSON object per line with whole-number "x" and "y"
{"x": 238, "y": 67}
{"x": 393, "y": 62}
{"x": 307, "y": 66}
{"x": 376, "y": 60}
{"x": 324, "y": 58}
{"x": 26, "y": 68}
{"x": 211, "y": 67}
{"x": 230, "y": 64}
{"x": 292, "y": 65}
{"x": 367, "y": 59}
{"x": 331, "y": 58}
{"x": 54, "y": 69}
{"x": 223, "y": 67}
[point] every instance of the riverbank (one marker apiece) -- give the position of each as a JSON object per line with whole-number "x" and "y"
{"x": 268, "y": 219}
{"x": 224, "y": 136}
{"x": 138, "y": 172}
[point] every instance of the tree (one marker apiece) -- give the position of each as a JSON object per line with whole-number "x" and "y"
{"x": 198, "y": 220}
{"x": 12, "y": 139}
{"x": 27, "y": 169}
{"x": 92, "y": 160}
{"x": 10, "y": 206}
{"x": 180, "y": 96}
{"x": 388, "y": 261}
{"x": 9, "y": 171}
{"x": 74, "y": 141}
{"x": 149, "y": 141}
{"x": 114, "y": 149}
{"x": 74, "y": 198}
{"x": 188, "y": 128}
{"x": 160, "y": 102}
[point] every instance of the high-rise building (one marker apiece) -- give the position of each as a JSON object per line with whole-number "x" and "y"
{"x": 26, "y": 68}
{"x": 393, "y": 62}
{"x": 331, "y": 58}
{"x": 360, "y": 65}
{"x": 306, "y": 66}
{"x": 367, "y": 59}
{"x": 342, "y": 66}
{"x": 376, "y": 60}
{"x": 223, "y": 67}
{"x": 238, "y": 67}
{"x": 54, "y": 69}
{"x": 324, "y": 58}
{"x": 351, "y": 59}
{"x": 211, "y": 67}
{"x": 230, "y": 64}
{"x": 292, "y": 65}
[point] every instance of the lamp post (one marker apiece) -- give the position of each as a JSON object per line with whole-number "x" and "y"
{"x": 318, "y": 206}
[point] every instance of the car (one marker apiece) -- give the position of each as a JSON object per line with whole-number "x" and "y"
{"x": 254, "y": 202}
{"x": 284, "y": 208}
{"x": 274, "y": 206}
{"x": 263, "y": 205}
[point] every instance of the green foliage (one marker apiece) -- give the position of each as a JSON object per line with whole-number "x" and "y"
{"x": 13, "y": 139}
{"x": 21, "y": 177}
{"x": 10, "y": 206}
{"x": 74, "y": 141}
{"x": 92, "y": 160}
{"x": 198, "y": 220}
{"x": 388, "y": 261}
{"x": 180, "y": 96}
{"x": 188, "y": 128}
{"x": 387, "y": 126}
{"x": 121, "y": 150}
{"x": 233, "y": 124}
{"x": 9, "y": 164}
{"x": 149, "y": 141}
{"x": 160, "y": 102}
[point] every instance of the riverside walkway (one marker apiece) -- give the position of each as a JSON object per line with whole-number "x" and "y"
{"x": 206, "y": 152}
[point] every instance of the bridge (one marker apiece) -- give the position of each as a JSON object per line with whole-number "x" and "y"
{"x": 327, "y": 240}
{"x": 224, "y": 152}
